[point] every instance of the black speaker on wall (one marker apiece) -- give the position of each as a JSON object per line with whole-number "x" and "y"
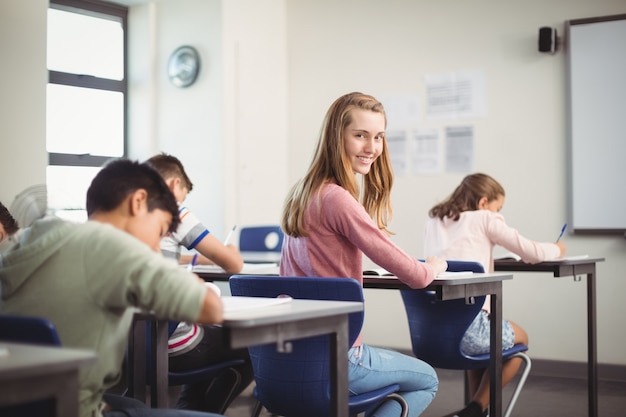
{"x": 547, "y": 40}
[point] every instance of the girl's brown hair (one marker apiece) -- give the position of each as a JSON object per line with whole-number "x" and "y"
{"x": 467, "y": 196}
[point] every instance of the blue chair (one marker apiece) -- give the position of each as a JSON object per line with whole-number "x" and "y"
{"x": 261, "y": 239}
{"x": 296, "y": 384}
{"x": 31, "y": 330}
{"x": 27, "y": 329}
{"x": 437, "y": 328}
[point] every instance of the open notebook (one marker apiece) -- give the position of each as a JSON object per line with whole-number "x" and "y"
{"x": 447, "y": 274}
{"x": 264, "y": 268}
{"x": 235, "y": 304}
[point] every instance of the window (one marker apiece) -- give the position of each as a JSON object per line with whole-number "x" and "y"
{"x": 86, "y": 97}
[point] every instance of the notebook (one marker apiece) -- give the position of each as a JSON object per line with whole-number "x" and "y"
{"x": 235, "y": 304}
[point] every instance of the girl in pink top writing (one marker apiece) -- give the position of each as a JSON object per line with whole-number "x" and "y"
{"x": 339, "y": 211}
{"x": 466, "y": 227}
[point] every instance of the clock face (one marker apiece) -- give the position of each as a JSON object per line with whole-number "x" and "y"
{"x": 183, "y": 66}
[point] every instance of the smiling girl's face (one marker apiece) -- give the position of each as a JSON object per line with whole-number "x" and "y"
{"x": 363, "y": 139}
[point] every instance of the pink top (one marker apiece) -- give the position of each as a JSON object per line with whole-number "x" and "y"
{"x": 339, "y": 232}
{"x": 473, "y": 236}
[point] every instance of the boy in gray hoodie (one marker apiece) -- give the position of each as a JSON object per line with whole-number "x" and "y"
{"x": 89, "y": 278}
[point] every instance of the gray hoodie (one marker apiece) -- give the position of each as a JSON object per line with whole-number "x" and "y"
{"x": 87, "y": 278}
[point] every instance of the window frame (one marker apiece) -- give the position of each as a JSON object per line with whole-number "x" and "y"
{"x": 102, "y": 10}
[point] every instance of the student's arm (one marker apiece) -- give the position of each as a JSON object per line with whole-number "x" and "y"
{"x": 509, "y": 238}
{"x": 212, "y": 309}
{"x": 226, "y": 256}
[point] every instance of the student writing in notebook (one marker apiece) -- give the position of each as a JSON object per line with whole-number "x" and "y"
{"x": 339, "y": 211}
{"x": 466, "y": 226}
{"x": 192, "y": 346}
{"x": 89, "y": 279}
{"x": 191, "y": 233}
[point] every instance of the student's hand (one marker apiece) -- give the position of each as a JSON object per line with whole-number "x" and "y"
{"x": 438, "y": 264}
{"x": 212, "y": 311}
{"x": 561, "y": 246}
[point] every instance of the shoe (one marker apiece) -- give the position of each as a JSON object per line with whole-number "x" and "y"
{"x": 473, "y": 409}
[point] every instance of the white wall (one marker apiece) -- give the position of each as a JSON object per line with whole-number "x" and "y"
{"x": 255, "y": 109}
{"x": 230, "y": 128}
{"x": 273, "y": 71}
{"x": 23, "y": 78}
{"x": 185, "y": 122}
{"x": 385, "y": 48}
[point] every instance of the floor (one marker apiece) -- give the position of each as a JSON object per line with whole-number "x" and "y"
{"x": 541, "y": 396}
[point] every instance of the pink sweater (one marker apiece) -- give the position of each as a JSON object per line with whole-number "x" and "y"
{"x": 474, "y": 235}
{"x": 339, "y": 232}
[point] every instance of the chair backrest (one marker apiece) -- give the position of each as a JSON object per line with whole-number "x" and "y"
{"x": 261, "y": 239}
{"x": 437, "y": 327}
{"x": 296, "y": 384}
{"x": 27, "y": 329}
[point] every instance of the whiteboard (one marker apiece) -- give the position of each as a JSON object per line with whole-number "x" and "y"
{"x": 596, "y": 63}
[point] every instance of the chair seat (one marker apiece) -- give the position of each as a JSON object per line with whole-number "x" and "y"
{"x": 483, "y": 359}
{"x": 361, "y": 402}
{"x": 201, "y": 374}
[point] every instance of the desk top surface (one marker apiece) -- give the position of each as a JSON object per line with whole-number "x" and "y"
{"x": 558, "y": 267}
{"x": 18, "y": 359}
{"x": 294, "y": 310}
{"x": 376, "y": 281}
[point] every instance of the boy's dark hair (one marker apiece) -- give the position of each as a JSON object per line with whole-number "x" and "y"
{"x": 121, "y": 177}
{"x": 170, "y": 167}
{"x": 7, "y": 220}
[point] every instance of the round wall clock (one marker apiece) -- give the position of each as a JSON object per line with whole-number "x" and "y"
{"x": 183, "y": 66}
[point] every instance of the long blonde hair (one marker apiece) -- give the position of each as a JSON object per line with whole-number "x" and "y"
{"x": 330, "y": 163}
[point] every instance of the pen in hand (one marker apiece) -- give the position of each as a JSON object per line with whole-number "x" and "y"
{"x": 562, "y": 231}
{"x": 230, "y": 234}
{"x": 192, "y": 263}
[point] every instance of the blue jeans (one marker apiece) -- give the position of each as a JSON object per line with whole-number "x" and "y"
{"x": 378, "y": 367}
{"x": 129, "y": 407}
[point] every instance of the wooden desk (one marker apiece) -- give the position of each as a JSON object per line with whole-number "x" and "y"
{"x": 467, "y": 287}
{"x": 30, "y": 373}
{"x": 274, "y": 324}
{"x": 568, "y": 268}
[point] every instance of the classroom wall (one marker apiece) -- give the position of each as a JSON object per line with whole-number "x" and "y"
{"x": 23, "y": 78}
{"x": 385, "y": 49}
{"x": 185, "y": 122}
{"x": 274, "y": 70}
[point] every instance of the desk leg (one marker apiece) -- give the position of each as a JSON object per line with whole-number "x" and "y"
{"x": 592, "y": 359}
{"x": 495, "y": 353}
{"x": 159, "y": 363}
{"x": 135, "y": 361}
{"x": 339, "y": 369}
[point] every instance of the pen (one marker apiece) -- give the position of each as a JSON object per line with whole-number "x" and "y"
{"x": 562, "y": 231}
{"x": 192, "y": 263}
{"x": 230, "y": 234}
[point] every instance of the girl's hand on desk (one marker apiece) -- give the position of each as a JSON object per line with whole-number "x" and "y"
{"x": 438, "y": 264}
{"x": 562, "y": 247}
